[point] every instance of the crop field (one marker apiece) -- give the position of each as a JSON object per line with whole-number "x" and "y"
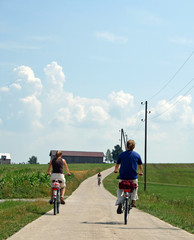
{"x": 31, "y": 182}
{"x": 169, "y": 193}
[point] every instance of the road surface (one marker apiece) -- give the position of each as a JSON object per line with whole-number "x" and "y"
{"x": 90, "y": 213}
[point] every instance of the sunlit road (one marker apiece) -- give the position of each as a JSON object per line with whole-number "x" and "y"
{"x": 90, "y": 213}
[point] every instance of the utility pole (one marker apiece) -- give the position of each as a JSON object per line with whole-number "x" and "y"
{"x": 145, "y": 150}
{"x": 145, "y": 153}
{"x": 121, "y": 137}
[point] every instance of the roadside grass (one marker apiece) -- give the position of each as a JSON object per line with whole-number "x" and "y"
{"x": 171, "y": 203}
{"x": 15, "y": 215}
{"x": 31, "y": 181}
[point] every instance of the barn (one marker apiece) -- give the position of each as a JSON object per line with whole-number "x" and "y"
{"x": 80, "y": 156}
{"x": 5, "y": 158}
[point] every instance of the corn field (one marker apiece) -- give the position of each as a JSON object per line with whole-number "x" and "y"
{"x": 25, "y": 182}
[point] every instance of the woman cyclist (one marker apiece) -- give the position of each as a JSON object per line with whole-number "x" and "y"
{"x": 57, "y": 165}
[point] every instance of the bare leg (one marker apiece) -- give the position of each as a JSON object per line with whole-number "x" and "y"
{"x": 62, "y": 192}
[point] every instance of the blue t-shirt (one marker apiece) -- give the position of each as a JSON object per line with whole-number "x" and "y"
{"x": 128, "y": 168}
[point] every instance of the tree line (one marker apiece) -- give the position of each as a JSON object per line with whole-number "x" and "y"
{"x": 112, "y": 156}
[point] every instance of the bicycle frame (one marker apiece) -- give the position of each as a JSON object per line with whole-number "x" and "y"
{"x": 56, "y": 195}
{"x": 126, "y": 204}
{"x": 99, "y": 181}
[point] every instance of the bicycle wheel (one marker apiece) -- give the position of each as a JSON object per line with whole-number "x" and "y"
{"x": 58, "y": 200}
{"x": 126, "y": 210}
{"x": 55, "y": 206}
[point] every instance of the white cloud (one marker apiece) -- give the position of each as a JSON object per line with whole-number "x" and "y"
{"x": 121, "y": 99}
{"x": 16, "y": 86}
{"x": 55, "y": 75}
{"x": 61, "y": 117}
{"x": 98, "y": 114}
{"x": 111, "y": 37}
{"x": 34, "y": 104}
{"x": 177, "y": 110}
{"x": 27, "y": 80}
{"x": 4, "y": 89}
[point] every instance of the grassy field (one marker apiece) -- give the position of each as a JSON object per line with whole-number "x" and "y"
{"x": 169, "y": 194}
{"x": 31, "y": 181}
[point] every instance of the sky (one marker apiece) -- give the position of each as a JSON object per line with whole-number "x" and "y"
{"x": 74, "y": 73}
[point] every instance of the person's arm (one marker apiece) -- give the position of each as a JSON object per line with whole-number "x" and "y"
{"x": 49, "y": 167}
{"x": 66, "y": 167}
{"x": 140, "y": 169}
{"x": 116, "y": 168}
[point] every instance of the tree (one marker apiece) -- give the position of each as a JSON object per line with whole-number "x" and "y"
{"x": 33, "y": 160}
{"x": 116, "y": 151}
{"x": 108, "y": 156}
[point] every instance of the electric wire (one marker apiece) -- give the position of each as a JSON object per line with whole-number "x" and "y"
{"x": 173, "y": 104}
{"x": 179, "y": 69}
{"x": 181, "y": 90}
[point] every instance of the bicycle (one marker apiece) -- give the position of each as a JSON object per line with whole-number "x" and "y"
{"x": 99, "y": 181}
{"x": 56, "y": 189}
{"x": 128, "y": 186}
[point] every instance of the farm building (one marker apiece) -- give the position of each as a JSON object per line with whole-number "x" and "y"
{"x": 80, "y": 157}
{"x": 5, "y": 158}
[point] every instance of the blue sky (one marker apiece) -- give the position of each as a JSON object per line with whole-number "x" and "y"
{"x": 73, "y": 73}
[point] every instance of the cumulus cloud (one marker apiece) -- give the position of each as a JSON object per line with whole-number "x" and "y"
{"x": 34, "y": 104}
{"x": 55, "y": 74}
{"x": 179, "y": 109}
{"x": 121, "y": 99}
{"x": 27, "y": 79}
{"x": 30, "y": 105}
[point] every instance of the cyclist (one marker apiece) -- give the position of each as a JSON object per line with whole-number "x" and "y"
{"x": 128, "y": 162}
{"x": 99, "y": 177}
{"x": 57, "y": 173}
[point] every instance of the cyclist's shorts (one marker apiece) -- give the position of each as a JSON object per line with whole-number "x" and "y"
{"x": 59, "y": 177}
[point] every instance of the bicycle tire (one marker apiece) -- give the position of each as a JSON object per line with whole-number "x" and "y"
{"x": 55, "y": 206}
{"x": 126, "y": 211}
{"x": 58, "y": 201}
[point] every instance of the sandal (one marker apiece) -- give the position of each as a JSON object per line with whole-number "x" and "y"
{"x": 62, "y": 201}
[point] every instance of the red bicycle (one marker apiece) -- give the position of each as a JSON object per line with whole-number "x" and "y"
{"x": 128, "y": 186}
{"x": 56, "y": 195}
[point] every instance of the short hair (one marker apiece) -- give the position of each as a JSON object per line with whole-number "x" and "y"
{"x": 131, "y": 144}
{"x": 58, "y": 154}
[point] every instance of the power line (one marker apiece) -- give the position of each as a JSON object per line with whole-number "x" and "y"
{"x": 181, "y": 89}
{"x": 179, "y": 69}
{"x": 174, "y": 103}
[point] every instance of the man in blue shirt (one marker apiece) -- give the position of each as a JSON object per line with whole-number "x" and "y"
{"x": 128, "y": 162}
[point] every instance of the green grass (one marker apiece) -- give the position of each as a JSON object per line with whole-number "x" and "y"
{"x": 31, "y": 181}
{"x": 15, "y": 215}
{"x": 169, "y": 194}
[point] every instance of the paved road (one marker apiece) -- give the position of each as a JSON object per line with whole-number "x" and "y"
{"x": 90, "y": 214}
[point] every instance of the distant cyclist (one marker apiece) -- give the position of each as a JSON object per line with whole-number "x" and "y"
{"x": 128, "y": 162}
{"x": 57, "y": 165}
{"x": 99, "y": 177}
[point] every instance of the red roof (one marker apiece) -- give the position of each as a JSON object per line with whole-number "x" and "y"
{"x": 78, "y": 153}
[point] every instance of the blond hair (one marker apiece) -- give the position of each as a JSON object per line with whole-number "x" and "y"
{"x": 130, "y": 144}
{"x": 58, "y": 154}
